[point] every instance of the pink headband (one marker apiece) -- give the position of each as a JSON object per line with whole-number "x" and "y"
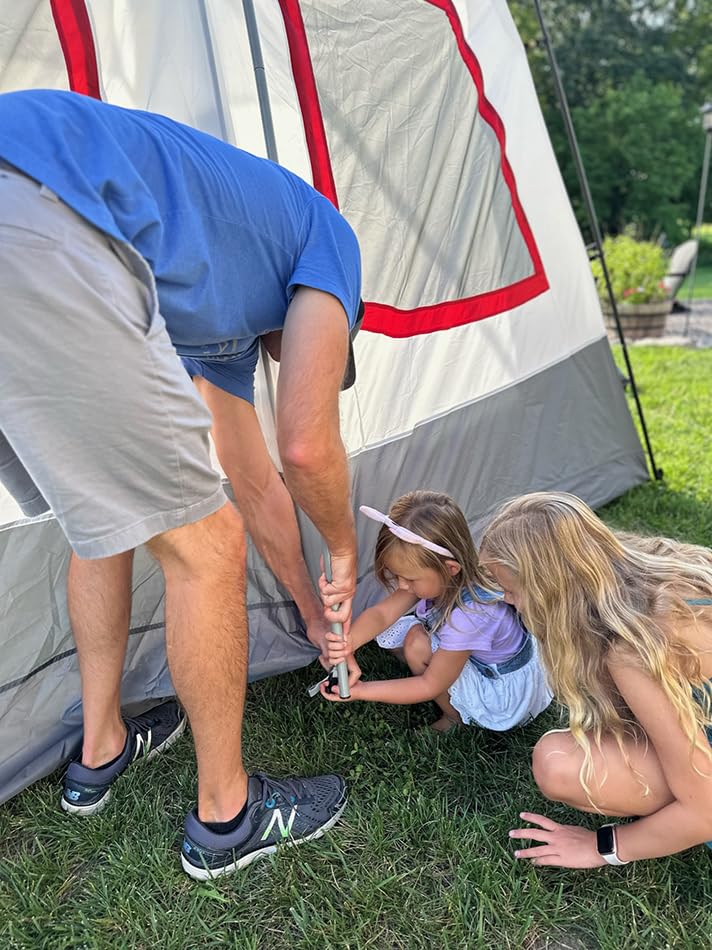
{"x": 403, "y": 533}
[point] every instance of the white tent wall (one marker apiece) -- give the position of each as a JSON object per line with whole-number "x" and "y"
{"x": 451, "y": 185}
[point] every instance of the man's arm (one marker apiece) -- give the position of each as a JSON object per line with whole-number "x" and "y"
{"x": 313, "y": 358}
{"x": 263, "y": 501}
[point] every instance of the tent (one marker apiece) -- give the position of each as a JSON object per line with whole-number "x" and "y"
{"x": 484, "y": 368}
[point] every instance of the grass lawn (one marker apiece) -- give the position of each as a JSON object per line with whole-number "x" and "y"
{"x": 421, "y": 858}
{"x": 703, "y": 285}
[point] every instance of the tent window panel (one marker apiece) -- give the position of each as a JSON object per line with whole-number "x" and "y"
{"x": 418, "y": 171}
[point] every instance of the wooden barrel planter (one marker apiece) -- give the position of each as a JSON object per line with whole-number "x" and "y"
{"x": 638, "y": 320}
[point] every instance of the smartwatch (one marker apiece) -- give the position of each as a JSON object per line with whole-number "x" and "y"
{"x": 606, "y": 844}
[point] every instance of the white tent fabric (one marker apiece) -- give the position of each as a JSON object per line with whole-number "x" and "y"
{"x": 483, "y": 366}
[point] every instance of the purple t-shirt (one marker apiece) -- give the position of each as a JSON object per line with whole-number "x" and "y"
{"x": 491, "y": 631}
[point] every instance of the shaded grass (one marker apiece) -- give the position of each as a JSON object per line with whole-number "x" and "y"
{"x": 675, "y": 388}
{"x": 421, "y": 858}
{"x": 702, "y": 289}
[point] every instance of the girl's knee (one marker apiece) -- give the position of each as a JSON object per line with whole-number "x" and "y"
{"x": 416, "y": 646}
{"x": 556, "y": 765}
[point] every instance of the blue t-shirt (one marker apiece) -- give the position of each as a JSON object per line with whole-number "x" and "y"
{"x": 228, "y": 235}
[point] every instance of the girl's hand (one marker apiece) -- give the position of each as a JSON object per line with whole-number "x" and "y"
{"x": 337, "y": 648}
{"x": 357, "y": 691}
{"x": 354, "y": 669}
{"x": 565, "y": 846}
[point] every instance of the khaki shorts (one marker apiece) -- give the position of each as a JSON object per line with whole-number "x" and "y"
{"x": 99, "y": 422}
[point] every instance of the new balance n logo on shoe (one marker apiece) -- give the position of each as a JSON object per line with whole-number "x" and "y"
{"x": 86, "y": 790}
{"x": 143, "y": 746}
{"x": 284, "y": 830}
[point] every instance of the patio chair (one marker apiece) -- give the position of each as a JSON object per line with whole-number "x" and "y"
{"x": 681, "y": 261}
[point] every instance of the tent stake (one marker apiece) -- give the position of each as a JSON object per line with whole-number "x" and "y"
{"x": 593, "y": 221}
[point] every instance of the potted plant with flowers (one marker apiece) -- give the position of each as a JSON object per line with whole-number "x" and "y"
{"x": 636, "y": 269}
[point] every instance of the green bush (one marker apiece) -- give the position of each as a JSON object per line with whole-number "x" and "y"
{"x": 704, "y": 236}
{"x": 636, "y": 269}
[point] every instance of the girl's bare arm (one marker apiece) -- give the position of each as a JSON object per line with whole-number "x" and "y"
{"x": 370, "y": 623}
{"x": 443, "y": 670}
{"x": 687, "y": 820}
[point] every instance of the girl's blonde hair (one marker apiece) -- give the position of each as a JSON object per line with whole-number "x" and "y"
{"x": 436, "y": 517}
{"x": 586, "y": 590}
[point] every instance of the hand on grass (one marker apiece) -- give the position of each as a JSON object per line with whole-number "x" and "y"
{"x": 563, "y": 846}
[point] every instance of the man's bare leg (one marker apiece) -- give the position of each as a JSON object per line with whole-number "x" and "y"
{"x": 206, "y": 637}
{"x": 263, "y": 500}
{"x": 99, "y": 600}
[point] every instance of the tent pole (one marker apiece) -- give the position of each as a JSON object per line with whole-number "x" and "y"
{"x": 593, "y": 221}
{"x": 260, "y": 79}
{"x": 270, "y": 143}
{"x": 253, "y": 36}
{"x": 698, "y": 222}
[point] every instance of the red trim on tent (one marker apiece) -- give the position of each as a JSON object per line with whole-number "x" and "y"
{"x": 381, "y": 318}
{"x": 390, "y": 321}
{"x": 75, "y": 35}
{"x": 317, "y": 145}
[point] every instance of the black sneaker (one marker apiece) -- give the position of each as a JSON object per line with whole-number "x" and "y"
{"x": 87, "y": 791}
{"x": 279, "y": 811}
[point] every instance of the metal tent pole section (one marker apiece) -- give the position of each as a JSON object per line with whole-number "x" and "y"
{"x": 593, "y": 220}
{"x": 707, "y": 124}
{"x": 270, "y": 143}
{"x": 260, "y": 78}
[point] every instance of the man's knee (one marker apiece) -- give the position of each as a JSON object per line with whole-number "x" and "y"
{"x": 555, "y": 766}
{"x": 218, "y": 539}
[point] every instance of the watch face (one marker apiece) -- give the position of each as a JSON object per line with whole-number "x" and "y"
{"x": 605, "y": 842}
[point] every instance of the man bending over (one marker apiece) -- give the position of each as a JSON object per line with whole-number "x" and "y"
{"x": 130, "y": 243}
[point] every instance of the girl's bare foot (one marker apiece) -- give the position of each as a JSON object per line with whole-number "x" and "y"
{"x": 445, "y": 724}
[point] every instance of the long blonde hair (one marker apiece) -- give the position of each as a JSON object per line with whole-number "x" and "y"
{"x": 436, "y": 517}
{"x": 586, "y": 590}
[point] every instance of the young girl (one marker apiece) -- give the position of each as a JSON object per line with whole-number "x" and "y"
{"x": 624, "y": 626}
{"x": 465, "y": 647}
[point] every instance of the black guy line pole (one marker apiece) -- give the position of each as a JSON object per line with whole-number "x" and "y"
{"x": 593, "y": 220}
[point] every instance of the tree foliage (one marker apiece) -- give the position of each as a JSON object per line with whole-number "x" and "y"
{"x": 635, "y": 73}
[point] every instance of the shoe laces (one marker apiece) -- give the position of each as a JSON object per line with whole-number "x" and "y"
{"x": 276, "y": 791}
{"x": 145, "y": 721}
